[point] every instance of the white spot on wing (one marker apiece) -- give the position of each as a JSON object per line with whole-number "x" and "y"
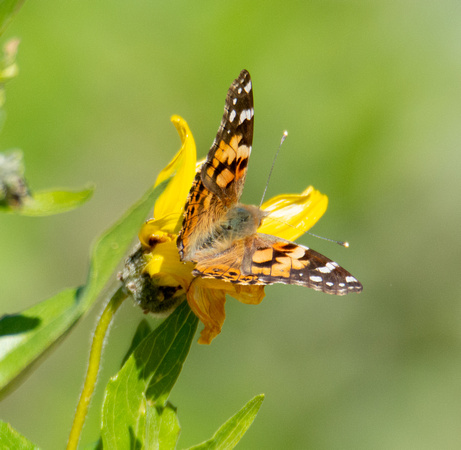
{"x": 234, "y": 100}
{"x": 248, "y": 87}
{"x": 232, "y": 115}
{"x": 324, "y": 269}
{"x": 351, "y": 280}
{"x": 243, "y": 151}
{"x": 315, "y": 279}
{"x": 246, "y": 114}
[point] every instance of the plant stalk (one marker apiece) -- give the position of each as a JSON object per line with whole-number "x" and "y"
{"x": 93, "y": 367}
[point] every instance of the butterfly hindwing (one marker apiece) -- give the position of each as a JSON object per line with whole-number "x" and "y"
{"x": 278, "y": 261}
{"x": 264, "y": 259}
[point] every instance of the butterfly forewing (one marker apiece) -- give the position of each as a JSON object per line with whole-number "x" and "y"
{"x": 225, "y": 168}
{"x": 219, "y": 183}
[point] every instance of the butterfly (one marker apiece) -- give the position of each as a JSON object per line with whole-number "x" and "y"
{"x": 220, "y": 235}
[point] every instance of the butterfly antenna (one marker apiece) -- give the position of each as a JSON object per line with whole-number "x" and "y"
{"x": 284, "y": 136}
{"x": 341, "y": 243}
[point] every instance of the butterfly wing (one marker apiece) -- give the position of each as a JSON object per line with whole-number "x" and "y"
{"x": 264, "y": 259}
{"x": 225, "y": 168}
{"x": 227, "y": 265}
{"x": 219, "y": 183}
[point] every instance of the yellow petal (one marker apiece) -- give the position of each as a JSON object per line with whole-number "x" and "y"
{"x": 208, "y": 305}
{"x": 163, "y": 263}
{"x": 292, "y": 215}
{"x": 207, "y": 297}
{"x": 182, "y": 166}
{"x": 250, "y": 295}
{"x": 153, "y": 231}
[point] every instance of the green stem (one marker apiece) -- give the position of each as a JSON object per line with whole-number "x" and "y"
{"x": 93, "y": 367}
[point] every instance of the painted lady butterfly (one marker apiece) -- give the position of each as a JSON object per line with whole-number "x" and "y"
{"x": 219, "y": 234}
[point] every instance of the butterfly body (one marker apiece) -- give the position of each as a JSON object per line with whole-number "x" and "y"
{"x": 220, "y": 234}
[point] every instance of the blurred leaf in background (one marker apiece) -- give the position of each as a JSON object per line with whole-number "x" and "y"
{"x": 15, "y": 195}
{"x": 8, "y": 67}
{"x": 371, "y": 97}
{"x": 8, "y": 9}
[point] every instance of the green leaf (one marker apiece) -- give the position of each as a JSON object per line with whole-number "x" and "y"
{"x": 113, "y": 245}
{"x": 24, "y": 337}
{"x": 47, "y": 203}
{"x": 142, "y": 331}
{"x": 233, "y": 430}
{"x": 162, "y": 427}
{"x": 11, "y": 439}
{"x": 144, "y": 384}
{"x": 16, "y": 198}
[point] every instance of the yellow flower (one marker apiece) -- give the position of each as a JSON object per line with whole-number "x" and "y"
{"x": 290, "y": 216}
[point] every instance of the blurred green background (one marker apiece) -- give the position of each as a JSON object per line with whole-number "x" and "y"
{"x": 370, "y": 93}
